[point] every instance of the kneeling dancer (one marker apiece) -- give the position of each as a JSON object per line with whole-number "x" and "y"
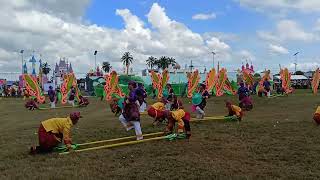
{"x": 183, "y": 119}
{"x": 52, "y": 131}
{"x": 234, "y": 110}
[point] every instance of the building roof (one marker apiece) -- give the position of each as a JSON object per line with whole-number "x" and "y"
{"x": 295, "y": 77}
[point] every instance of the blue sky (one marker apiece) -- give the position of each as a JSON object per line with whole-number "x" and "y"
{"x": 231, "y": 18}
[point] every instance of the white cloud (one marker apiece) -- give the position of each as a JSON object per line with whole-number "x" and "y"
{"x": 204, "y": 16}
{"x": 54, "y": 35}
{"x": 277, "y": 49}
{"x": 305, "y": 6}
{"x": 305, "y": 66}
{"x": 245, "y": 54}
{"x": 221, "y": 49}
{"x": 287, "y": 30}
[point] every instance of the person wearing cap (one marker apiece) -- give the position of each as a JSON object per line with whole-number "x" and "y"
{"x": 156, "y": 111}
{"x": 234, "y": 110}
{"x": 53, "y": 131}
{"x": 52, "y": 97}
{"x": 180, "y": 116}
{"x": 130, "y": 117}
{"x": 201, "y": 106}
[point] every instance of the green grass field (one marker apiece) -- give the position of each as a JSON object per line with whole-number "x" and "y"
{"x": 278, "y": 139}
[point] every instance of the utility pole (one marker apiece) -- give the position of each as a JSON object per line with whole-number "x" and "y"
{"x": 296, "y": 61}
{"x": 213, "y": 53}
{"x": 21, "y": 52}
{"x": 95, "y": 59}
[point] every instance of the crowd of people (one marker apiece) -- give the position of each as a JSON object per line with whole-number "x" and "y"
{"x": 11, "y": 91}
{"x": 55, "y": 97}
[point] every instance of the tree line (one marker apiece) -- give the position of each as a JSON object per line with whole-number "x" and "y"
{"x": 152, "y": 62}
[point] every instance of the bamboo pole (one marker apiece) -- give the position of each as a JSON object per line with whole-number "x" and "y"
{"x": 116, "y": 145}
{"x": 208, "y": 118}
{"x": 61, "y": 107}
{"x": 119, "y": 139}
{"x": 143, "y": 113}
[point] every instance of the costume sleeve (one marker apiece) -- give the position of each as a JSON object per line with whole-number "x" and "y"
{"x": 67, "y": 135}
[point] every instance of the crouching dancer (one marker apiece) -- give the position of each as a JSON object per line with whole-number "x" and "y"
{"x": 234, "y": 110}
{"x": 52, "y": 131}
{"x": 183, "y": 119}
{"x": 157, "y": 111}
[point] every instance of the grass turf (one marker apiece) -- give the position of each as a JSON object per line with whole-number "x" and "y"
{"x": 278, "y": 139}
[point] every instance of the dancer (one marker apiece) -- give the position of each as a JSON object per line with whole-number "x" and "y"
{"x": 183, "y": 119}
{"x": 176, "y": 103}
{"x": 200, "y": 107}
{"x": 157, "y": 111}
{"x": 53, "y": 131}
{"x": 116, "y": 106}
{"x": 234, "y": 111}
{"x": 316, "y": 116}
{"x": 141, "y": 95}
{"x": 130, "y": 117}
{"x": 243, "y": 91}
{"x": 83, "y": 102}
{"x": 246, "y": 103}
{"x": 72, "y": 96}
{"x": 52, "y": 97}
{"x": 169, "y": 96}
{"x": 267, "y": 85}
{"x": 32, "y": 104}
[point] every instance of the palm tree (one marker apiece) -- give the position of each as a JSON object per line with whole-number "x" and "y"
{"x": 106, "y": 67}
{"x": 151, "y": 62}
{"x": 164, "y": 62}
{"x": 45, "y": 68}
{"x": 172, "y": 61}
{"x": 127, "y": 60}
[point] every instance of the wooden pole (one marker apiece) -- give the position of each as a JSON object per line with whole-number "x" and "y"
{"x": 116, "y": 145}
{"x": 119, "y": 139}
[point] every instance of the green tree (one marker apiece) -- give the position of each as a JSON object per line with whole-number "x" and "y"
{"x": 127, "y": 60}
{"x": 106, "y": 66}
{"x": 151, "y": 62}
{"x": 299, "y": 73}
{"x": 45, "y": 68}
{"x": 164, "y": 62}
{"x": 257, "y": 75}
